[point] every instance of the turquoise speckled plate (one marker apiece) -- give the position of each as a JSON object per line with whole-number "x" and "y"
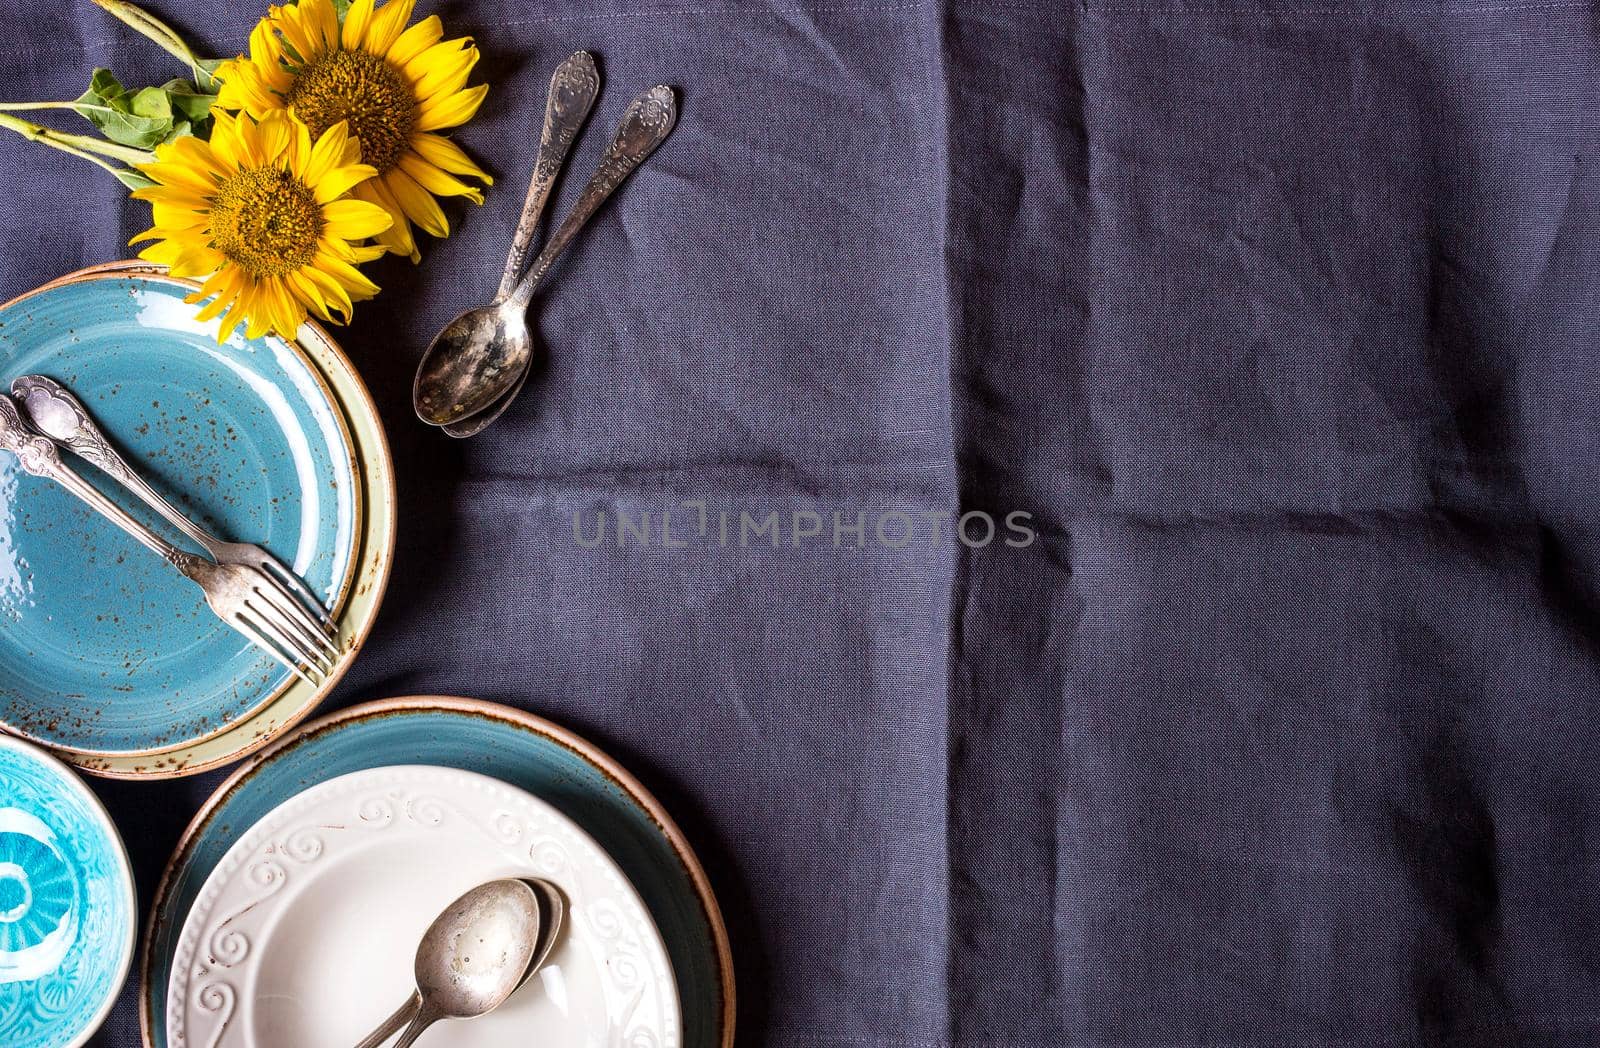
{"x": 104, "y": 649}
{"x": 517, "y": 748}
{"x": 67, "y": 907}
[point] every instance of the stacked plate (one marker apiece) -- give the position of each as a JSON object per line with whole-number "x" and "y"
{"x": 295, "y": 901}
{"x": 108, "y": 656}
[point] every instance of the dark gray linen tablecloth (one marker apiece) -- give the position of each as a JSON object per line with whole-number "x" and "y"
{"x": 1277, "y": 317}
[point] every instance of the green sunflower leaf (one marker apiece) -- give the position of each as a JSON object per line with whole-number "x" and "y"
{"x": 146, "y": 117}
{"x": 188, "y": 100}
{"x": 139, "y": 119}
{"x": 132, "y": 179}
{"x": 152, "y": 103}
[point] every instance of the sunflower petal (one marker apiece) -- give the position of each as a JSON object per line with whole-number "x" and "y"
{"x": 307, "y": 294}
{"x": 192, "y": 152}
{"x": 340, "y": 180}
{"x": 274, "y": 136}
{"x": 321, "y": 21}
{"x": 327, "y": 153}
{"x": 355, "y": 219}
{"x": 387, "y": 24}
{"x": 291, "y": 27}
{"x": 415, "y": 40}
{"x": 452, "y": 111}
{"x": 435, "y": 181}
{"x": 356, "y": 19}
{"x": 348, "y": 276}
{"x": 397, "y": 238}
{"x": 437, "y": 70}
{"x": 227, "y": 143}
{"x": 329, "y": 292}
{"x": 418, "y": 203}
{"x": 447, "y": 156}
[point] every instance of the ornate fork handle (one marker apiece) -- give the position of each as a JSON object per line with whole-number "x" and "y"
{"x": 573, "y": 90}
{"x": 644, "y": 126}
{"x": 60, "y": 414}
{"x": 40, "y": 457}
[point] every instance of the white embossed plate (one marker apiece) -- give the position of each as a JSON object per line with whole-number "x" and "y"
{"x": 305, "y": 932}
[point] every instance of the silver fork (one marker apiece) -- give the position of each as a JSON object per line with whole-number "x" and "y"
{"x": 241, "y": 596}
{"x": 55, "y": 412}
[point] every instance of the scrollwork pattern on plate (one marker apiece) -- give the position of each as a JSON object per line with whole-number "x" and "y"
{"x": 304, "y": 845}
{"x": 217, "y": 998}
{"x": 376, "y": 811}
{"x": 228, "y": 945}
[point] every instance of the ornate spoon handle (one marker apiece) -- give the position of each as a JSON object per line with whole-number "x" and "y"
{"x": 573, "y": 90}
{"x": 54, "y": 411}
{"x": 40, "y": 457}
{"x": 644, "y": 126}
{"x": 401, "y": 1017}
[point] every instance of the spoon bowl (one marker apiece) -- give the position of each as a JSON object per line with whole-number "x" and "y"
{"x": 488, "y": 349}
{"x": 553, "y": 916}
{"x": 476, "y": 952}
{"x": 473, "y": 956}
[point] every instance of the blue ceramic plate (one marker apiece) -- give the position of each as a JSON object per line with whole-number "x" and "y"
{"x": 67, "y": 909}
{"x": 515, "y": 747}
{"x": 103, "y": 647}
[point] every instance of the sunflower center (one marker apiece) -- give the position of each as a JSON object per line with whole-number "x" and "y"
{"x": 365, "y": 90}
{"x": 266, "y": 221}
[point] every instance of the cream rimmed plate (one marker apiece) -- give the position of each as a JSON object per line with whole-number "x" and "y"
{"x": 371, "y": 556}
{"x": 305, "y": 932}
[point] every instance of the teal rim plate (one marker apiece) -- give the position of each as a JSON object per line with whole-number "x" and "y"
{"x": 67, "y": 906}
{"x": 517, "y": 748}
{"x": 104, "y": 648}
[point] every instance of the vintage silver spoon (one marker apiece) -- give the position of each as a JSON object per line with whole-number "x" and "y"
{"x": 574, "y": 87}
{"x": 484, "y": 354}
{"x": 472, "y": 957}
{"x": 553, "y": 912}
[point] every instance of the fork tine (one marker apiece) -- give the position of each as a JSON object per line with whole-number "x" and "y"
{"x": 284, "y": 640}
{"x": 254, "y": 636}
{"x": 292, "y": 611}
{"x": 297, "y": 587}
{"x": 308, "y": 644}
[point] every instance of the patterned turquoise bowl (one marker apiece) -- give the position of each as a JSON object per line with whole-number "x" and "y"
{"x": 67, "y": 907}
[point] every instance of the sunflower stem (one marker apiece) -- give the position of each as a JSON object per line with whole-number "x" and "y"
{"x": 77, "y": 145}
{"x": 18, "y": 107}
{"x": 165, "y": 37}
{"x": 127, "y": 176}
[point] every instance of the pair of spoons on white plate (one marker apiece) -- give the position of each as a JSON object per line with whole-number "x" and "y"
{"x": 476, "y": 954}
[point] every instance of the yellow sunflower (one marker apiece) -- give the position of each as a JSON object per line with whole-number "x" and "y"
{"x": 266, "y": 215}
{"x": 397, "y": 87}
